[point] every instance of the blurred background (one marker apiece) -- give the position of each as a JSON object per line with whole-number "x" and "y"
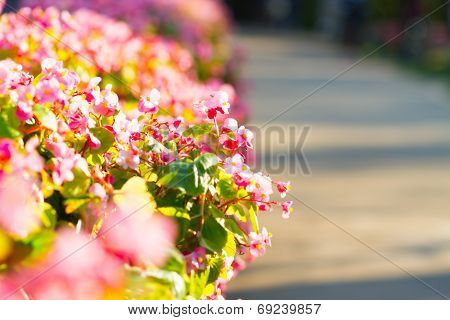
{"x": 379, "y": 148}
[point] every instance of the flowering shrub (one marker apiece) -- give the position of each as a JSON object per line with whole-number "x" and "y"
{"x": 97, "y": 203}
{"x": 202, "y": 25}
{"x": 95, "y": 45}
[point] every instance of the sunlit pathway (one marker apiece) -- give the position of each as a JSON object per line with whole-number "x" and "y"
{"x": 379, "y": 151}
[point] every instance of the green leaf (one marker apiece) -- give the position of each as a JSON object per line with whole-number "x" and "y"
{"x": 198, "y": 130}
{"x": 9, "y": 124}
{"x": 73, "y": 205}
{"x": 233, "y": 227}
{"x": 230, "y": 246}
{"x": 46, "y": 117}
{"x": 106, "y": 138}
{"x": 175, "y": 263}
{"x": 215, "y": 266}
{"x": 215, "y": 212}
{"x": 214, "y": 236}
{"x": 48, "y": 215}
{"x": 154, "y": 284}
{"x": 226, "y": 189}
{"x": 120, "y": 177}
{"x": 209, "y": 289}
{"x": 191, "y": 177}
{"x": 253, "y": 218}
{"x": 237, "y": 211}
{"x": 95, "y": 159}
{"x": 175, "y": 212}
{"x": 206, "y": 162}
{"x": 78, "y": 186}
{"x": 197, "y": 284}
{"x": 37, "y": 245}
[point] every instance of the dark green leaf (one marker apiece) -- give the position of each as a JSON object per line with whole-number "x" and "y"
{"x": 9, "y": 124}
{"x": 191, "y": 177}
{"x": 215, "y": 266}
{"x": 214, "y": 236}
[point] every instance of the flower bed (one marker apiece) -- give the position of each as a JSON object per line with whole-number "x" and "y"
{"x": 202, "y": 26}
{"x": 108, "y": 204}
{"x": 95, "y": 45}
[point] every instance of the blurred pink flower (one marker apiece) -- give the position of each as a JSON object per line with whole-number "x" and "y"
{"x": 97, "y": 190}
{"x": 19, "y": 214}
{"x": 133, "y": 232}
{"x": 77, "y": 267}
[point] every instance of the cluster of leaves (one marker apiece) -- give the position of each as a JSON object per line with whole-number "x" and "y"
{"x": 97, "y": 203}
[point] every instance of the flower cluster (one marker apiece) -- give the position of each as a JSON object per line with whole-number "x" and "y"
{"x": 196, "y": 23}
{"x": 135, "y": 205}
{"x": 95, "y": 45}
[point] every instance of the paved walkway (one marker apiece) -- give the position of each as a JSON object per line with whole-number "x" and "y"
{"x": 379, "y": 151}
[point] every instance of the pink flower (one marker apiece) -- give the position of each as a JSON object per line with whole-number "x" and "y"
{"x": 283, "y": 188}
{"x": 234, "y": 136}
{"x": 54, "y": 68}
{"x": 48, "y": 91}
{"x": 125, "y": 129}
{"x": 259, "y": 242}
{"x": 230, "y": 124}
{"x": 51, "y": 66}
{"x": 243, "y": 178}
{"x": 260, "y": 186}
{"x": 287, "y": 209}
{"x": 150, "y": 102}
{"x": 65, "y": 161}
{"x": 93, "y": 142}
{"x": 195, "y": 261}
{"x": 128, "y": 159}
{"x": 106, "y": 103}
{"x": 227, "y": 142}
{"x": 24, "y": 111}
{"x": 97, "y": 190}
{"x": 19, "y": 214}
{"x": 244, "y": 137}
{"x": 31, "y": 160}
{"x": 78, "y": 122}
{"x": 216, "y": 103}
{"x": 234, "y": 164}
{"x": 6, "y": 150}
